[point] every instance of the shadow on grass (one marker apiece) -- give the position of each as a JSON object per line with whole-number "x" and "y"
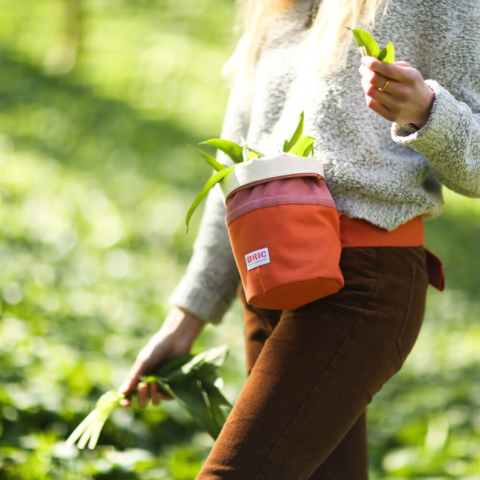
{"x": 72, "y": 124}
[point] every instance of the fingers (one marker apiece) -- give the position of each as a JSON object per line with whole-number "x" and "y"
{"x": 147, "y": 392}
{"x": 127, "y": 386}
{"x": 159, "y": 349}
{"x": 131, "y": 380}
{"x": 155, "y": 394}
{"x": 374, "y": 78}
{"x": 380, "y": 109}
{"x": 399, "y": 71}
{"x": 389, "y": 102}
{"x": 385, "y": 98}
{"x": 394, "y": 88}
{"x": 143, "y": 394}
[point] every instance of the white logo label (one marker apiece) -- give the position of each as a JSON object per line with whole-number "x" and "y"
{"x": 257, "y": 258}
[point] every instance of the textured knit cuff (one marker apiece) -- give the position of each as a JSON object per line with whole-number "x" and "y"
{"x": 205, "y": 304}
{"x": 441, "y": 126}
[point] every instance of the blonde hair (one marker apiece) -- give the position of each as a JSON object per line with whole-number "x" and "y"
{"x": 326, "y": 36}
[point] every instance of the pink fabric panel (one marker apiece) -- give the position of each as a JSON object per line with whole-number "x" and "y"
{"x": 299, "y": 188}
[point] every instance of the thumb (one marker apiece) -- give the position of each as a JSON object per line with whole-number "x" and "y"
{"x": 131, "y": 380}
{"x": 127, "y": 386}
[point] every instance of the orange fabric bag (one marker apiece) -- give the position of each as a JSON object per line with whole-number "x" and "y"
{"x": 284, "y": 230}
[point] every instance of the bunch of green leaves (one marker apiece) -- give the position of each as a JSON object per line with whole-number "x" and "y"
{"x": 297, "y": 144}
{"x": 369, "y": 47}
{"x": 192, "y": 380}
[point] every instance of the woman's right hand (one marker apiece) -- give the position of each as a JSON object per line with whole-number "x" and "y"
{"x": 175, "y": 337}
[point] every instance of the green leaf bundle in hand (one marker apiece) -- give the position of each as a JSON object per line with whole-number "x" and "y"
{"x": 369, "y": 47}
{"x": 192, "y": 380}
{"x": 297, "y": 144}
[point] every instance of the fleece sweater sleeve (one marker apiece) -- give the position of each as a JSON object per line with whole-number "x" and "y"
{"x": 450, "y": 140}
{"x": 209, "y": 284}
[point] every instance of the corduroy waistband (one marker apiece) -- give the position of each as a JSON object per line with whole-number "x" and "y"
{"x": 355, "y": 232}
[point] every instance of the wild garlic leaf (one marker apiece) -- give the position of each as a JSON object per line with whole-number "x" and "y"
{"x": 215, "y": 356}
{"x": 233, "y": 150}
{"x": 212, "y": 181}
{"x": 308, "y": 151}
{"x": 365, "y": 42}
{"x": 196, "y": 388}
{"x": 211, "y": 160}
{"x": 369, "y": 47}
{"x": 174, "y": 364}
{"x": 249, "y": 153}
{"x": 297, "y": 134}
{"x": 216, "y": 399}
{"x": 302, "y": 147}
{"x": 190, "y": 396}
{"x": 387, "y": 54}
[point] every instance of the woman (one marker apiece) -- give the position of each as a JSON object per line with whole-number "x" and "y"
{"x": 389, "y": 135}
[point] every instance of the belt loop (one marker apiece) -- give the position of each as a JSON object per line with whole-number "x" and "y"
{"x": 436, "y": 274}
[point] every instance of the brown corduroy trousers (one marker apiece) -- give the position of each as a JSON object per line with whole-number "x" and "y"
{"x": 312, "y": 372}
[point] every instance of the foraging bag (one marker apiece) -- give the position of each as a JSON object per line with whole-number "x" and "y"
{"x": 284, "y": 230}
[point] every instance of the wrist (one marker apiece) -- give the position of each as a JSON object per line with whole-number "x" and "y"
{"x": 183, "y": 325}
{"x": 427, "y": 109}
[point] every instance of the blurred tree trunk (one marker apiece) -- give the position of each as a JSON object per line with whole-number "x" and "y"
{"x": 62, "y": 58}
{"x": 72, "y": 24}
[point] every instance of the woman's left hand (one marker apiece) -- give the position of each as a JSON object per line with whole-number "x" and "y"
{"x": 407, "y": 98}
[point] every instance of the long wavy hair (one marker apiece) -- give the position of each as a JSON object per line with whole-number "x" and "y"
{"x": 326, "y": 36}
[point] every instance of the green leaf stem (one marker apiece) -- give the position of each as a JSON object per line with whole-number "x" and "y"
{"x": 211, "y": 160}
{"x": 212, "y": 181}
{"x": 233, "y": 150}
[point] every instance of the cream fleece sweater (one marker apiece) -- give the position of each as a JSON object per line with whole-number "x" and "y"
{"x": 377, "y": 170}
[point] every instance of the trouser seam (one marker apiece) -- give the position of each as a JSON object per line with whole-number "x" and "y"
{"x": 327, "y": 367}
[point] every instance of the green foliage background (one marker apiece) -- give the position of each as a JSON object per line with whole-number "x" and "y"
{"x": 96, "y": 111}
